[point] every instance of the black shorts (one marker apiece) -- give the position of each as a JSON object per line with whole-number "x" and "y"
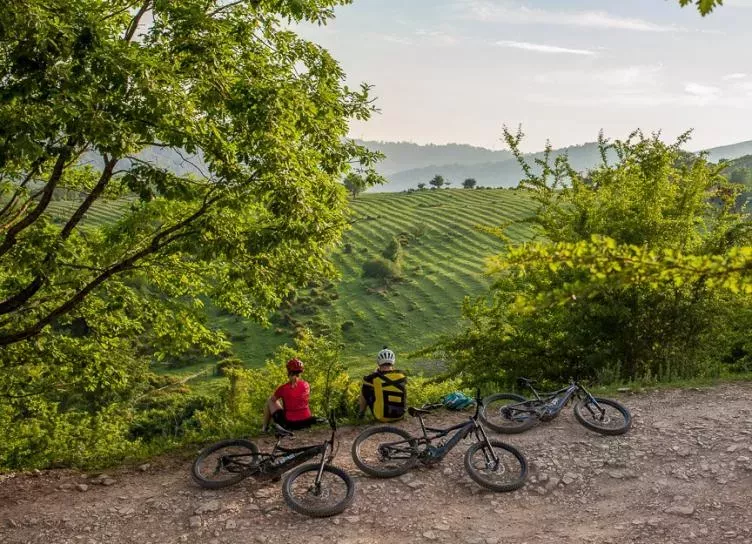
{"x": 368, "y": 394}
{"x": 280, "y": 419}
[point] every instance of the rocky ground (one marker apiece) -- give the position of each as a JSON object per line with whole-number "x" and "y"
{"x": 682, "y": 474}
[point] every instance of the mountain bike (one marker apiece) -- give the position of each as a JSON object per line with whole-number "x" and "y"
{"x": 317, "y": 489}
{"x": 510, "y": 413}
{"x": 386, "y": 451}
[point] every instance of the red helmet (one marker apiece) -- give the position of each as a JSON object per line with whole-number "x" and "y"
{"x": 295, "y": 365}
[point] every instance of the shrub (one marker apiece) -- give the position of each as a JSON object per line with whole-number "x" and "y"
{"x": 382, "y": 269}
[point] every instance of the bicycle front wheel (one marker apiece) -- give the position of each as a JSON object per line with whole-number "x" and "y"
{"x": 330, "y": 496}
{"x": 224, "y": 463}
{"x": 615, "y": 418}
{"x": 507, "y": 473}
{"x": 385, "y": 452}
{"x": 503, "y": 413}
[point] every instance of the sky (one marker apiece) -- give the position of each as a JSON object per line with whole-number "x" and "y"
{"x": 458, "y": 70}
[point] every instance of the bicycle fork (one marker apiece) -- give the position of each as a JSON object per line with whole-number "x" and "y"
{"x": 320, "y": 473}
{"x": 488, "y": 452}
{"x": 592, "y": 402}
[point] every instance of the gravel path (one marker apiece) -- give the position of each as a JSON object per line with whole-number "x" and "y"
{"x": 682, "y": 474}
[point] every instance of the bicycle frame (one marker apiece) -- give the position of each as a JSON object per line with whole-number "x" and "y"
{"x": 431, "y": 453}
{"x": 548, "y": 405}
{"x": 282, "y": 459}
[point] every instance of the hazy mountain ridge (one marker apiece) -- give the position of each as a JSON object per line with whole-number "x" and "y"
{"x": 507, "y": 172}
{"x": 408, "y": 155}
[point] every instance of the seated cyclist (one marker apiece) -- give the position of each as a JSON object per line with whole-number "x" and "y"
{"x": 288, "y": 406}
{"x": 384, "y": 391}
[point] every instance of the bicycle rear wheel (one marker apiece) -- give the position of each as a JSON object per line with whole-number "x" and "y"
{"x": 615, "y": 419}
{"x": 224, "y": 463}
{"x": 331, "y": 496}
{"x": 499, "y": 413}
{"x": 385, "y": 452}
{"x": 506, "y": 474}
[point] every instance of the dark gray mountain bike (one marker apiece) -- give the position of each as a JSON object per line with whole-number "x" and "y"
{"x": 386, "y": 451}
{"x": 510, "y": 413}
{"x": 316, "y": 489}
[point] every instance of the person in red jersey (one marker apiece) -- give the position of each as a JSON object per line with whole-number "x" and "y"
{"x": 288, "y": 406}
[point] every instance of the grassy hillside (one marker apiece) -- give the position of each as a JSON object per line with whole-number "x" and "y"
{"x": 443, "y": 262}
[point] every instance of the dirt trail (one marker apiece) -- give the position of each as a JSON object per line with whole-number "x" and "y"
{"x": 682, "y": 474}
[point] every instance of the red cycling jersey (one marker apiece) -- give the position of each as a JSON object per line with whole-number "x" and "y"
{"x": 295, "y": 400}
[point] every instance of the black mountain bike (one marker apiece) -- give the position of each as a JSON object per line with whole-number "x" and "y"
{"x": 386, "y": 451}
{"x": 510, "y": 413}
{"x": 317, "y": 489}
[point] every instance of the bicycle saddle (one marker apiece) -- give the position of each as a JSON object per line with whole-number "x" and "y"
{"x": 281, "y": 432}
{"x": 417, "y": 411}
{"x": 526, "y": 381}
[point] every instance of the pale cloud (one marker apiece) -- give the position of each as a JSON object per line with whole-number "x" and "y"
{"x": 705, "y": 91}
{"x": 737, "y": 75}
{"x": 392, "y": 38}
{"x": 542, "y": 48}
{"x": 436, "y": 37}
{"x": 487, "y": 11}
{"x": 640, "y": 76}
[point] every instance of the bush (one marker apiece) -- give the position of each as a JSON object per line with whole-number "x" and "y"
{"x": 382, "y": 269}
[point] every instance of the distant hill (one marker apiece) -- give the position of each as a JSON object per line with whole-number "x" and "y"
{"x": 505, "y": 173}
{"x": 496, "y": 173}
{"x": 733, "y": 151}
{"x": 407, "y": 164}
{"x": 407, "y": 155}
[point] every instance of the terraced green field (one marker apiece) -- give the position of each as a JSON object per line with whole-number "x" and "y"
{"x": 443, "y": 262}
{"x": 101, "y": 213}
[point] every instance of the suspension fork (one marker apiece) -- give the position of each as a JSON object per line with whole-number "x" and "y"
{"x": 323, "y": 463}
{"x": 591, "y": 401}
{"x": 481, "y": 436}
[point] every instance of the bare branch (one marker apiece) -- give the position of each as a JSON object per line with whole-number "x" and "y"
{"x": 49, "y": 189}
{"x": 136, "y": 20}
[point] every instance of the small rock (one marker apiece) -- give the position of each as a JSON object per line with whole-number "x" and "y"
{"x": 624, "y": 390}
{"x": 441, "y": 527}
{"x": 732, "y": 449}
{"x": 406, "y": 478}
{"x": 211, "y": 506}
{"x": 66, "y": 487}
{"x": 430, "y": 535}
{"x": 82, "y": 487}
{"x": 681, "y": 510}
{"x": 144, "y": 467}
{"x": 107, "y": 481}
{"x": 447, "y": 471}
{"x": 353, "y": 519}
{"x": 231, "y": 524}
{"x": 194, "y": 522}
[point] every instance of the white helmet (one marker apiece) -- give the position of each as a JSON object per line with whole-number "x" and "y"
{"x": 385, "y": 357}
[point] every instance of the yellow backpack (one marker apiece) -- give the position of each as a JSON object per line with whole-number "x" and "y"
{"x": 390, "y": 392}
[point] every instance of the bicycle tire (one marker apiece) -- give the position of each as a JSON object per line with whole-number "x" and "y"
{"x": 301, "y": 507}
{"x": 501, "y": 425}
{"x": 592, "y": 424}
{"x": 231, "y": 477}
{"x": 381, "y": 472}
{"x": 518, "y": 475}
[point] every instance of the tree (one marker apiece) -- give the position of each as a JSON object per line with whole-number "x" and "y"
{"x": 354, "y": 183}
{"x": 256, "y": 116}
{"x": 469, "y": 183}
{"x": 437, "y": 182}
{"x": 421, "y": 186}
{"x": 625, "y": 280}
